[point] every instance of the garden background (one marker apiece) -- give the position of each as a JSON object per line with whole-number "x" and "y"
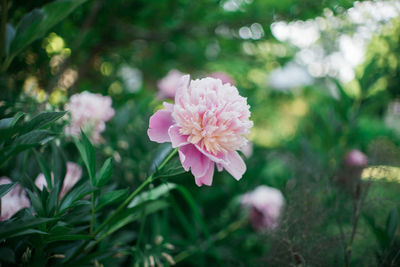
{"x": 322, "y": 79}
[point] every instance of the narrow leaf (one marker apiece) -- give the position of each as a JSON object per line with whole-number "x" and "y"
{"x": 10, "y": 34}
{"x": 5, "y": 188}
{"x": 19, "y": 226}
{"x": 105, "y": 173}
{"x": 37, "y": 22}
{"x": 42, "y": 120}
{"x": 45, "y": 169}
{"x": 88, "y": 155}
{"x": 152, "y": 194}
{"x": 111, "y": 197}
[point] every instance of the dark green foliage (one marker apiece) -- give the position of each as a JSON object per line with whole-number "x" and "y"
{"x": 128, "y": 208}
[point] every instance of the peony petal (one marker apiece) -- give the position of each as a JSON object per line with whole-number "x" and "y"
{"x": 177, "y": 139}
{"x": 182, "y": 87}
{"x": 159, "y": 125}
{"x": 192, "y": 158}
{"x": 168, "y": 106}
{"x": 236, "y": 166}
{"x": 207, "y": 178}
{"x": 220, "y": 158}
{"x": 220, "y": 168}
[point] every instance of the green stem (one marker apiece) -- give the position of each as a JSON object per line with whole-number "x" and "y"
{"x": 356, "y": 215}
{"x": 121, "y": 208}
{"x": 135, "y": 193}
{"x": 4, "y": 9}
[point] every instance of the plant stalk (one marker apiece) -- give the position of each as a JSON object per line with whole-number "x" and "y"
{"x": 357, "y": 210}
{"x": 136, "y": 192}
{"x": 121, "y": 208}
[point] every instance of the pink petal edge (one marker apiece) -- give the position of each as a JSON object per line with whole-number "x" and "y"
{"x": 207, "y": 178}
{"x": 158, "y": 126}
{"x": 192, "y": 158}
{"x": 235, "y": 166}
{"x": 177, "y": 139}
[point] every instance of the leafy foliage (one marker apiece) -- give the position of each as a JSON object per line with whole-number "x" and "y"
{"x": 133, "y": 203}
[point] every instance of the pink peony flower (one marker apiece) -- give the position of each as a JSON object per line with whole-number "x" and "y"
{"x": 266, "y": 204}
{"x": 168, "y": 85}
{"x": 355, "y": 158}
{"x": 208, "y": 123}
{"x": 224, "y": 77}
{"x": 90, "y": 112}
{"x": 13, "y": 201}
{"x": 74, "y": 173}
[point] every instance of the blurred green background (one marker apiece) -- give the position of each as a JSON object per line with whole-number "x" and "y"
{"x": 321, "y": 77}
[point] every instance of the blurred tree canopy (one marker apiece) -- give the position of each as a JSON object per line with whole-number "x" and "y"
{"x": 152, "y": 36}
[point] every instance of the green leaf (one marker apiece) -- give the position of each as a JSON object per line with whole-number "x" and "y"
{"x": 7, "y": 126}
{"x": 5, "y": 188}
{"x": 161, "y": 153}
{"x": 33, "y": 138}
{"x": 152, "y": 194}
{"x": 70, "y": 237}
{"x": 105, "y": 173}
{"x": 36, "y": 23}
{"x": 36, "y": 203}
{"x": 129, "y": 216}
{"x": 10, "y": 34}
{"x": 59, "y": 166}
{"x": 17, "y": 117}
{"x": 180, "y": 215}
{"x": 74, "y": 195}
{"x": 5, "y": 123}
{"x": 111, "y": 197}
{"x": 392, "y": 223}
{"x": 195, "y": 210}
{"x": 52, "y": 201}
{"x": 42, "y": 120}
{"x": 24, "y": 142}
{"x": 62, "y": 233}
{"x": 45, "y": 169}
{"x": 29, "y": 232}
{"x": 16, "y": 227}
{"x": 88, "y": 155}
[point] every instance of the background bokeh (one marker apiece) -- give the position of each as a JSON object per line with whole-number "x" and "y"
{"x": 322, "y": 78}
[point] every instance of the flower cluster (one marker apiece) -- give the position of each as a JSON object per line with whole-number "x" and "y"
{"x": 208, "y": 123}
{"x": 13, "y": 201}
{"x": 89, "y": 112}
{"x": 74, "y": 173}
{"x": 266, "y": 205}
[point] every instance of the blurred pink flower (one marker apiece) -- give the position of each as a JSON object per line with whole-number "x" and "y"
{"x": 13, "y": 201}
{"x": 168, "y": 85}
{"x": 355, "y": 158}
{"x": 224, "y": 77}
{"x": 74, "y": 173}
{"x": 266, "y": 205}
{"x": 90, "y": 112}
{"x": 208, "y": 123}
